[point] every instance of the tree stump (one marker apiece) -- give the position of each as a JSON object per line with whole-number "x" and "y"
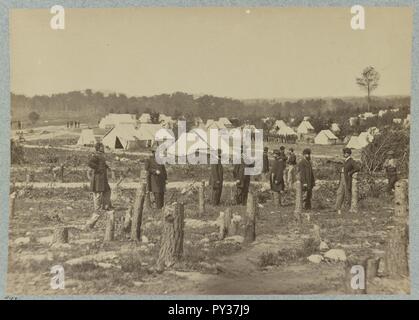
{"x": 201, "y": 209}
{"x": 298, "y": 199}
{"x": 60, "y": 235}
{"x": 128, "y": 219}
{"x": 110, "y": 226}
{"x": 235, "y": 225}
{"x": 12, "y": 200}
{"x": 354, "y": 199}
{"x": 171, "y": 247}
{"x": 116, "y": 191}
{"x": 250, "y": 227}
{"x": 137, "y": 216}
{"x": 401, "y": 200}
{"x": 396, "y": 256}
{"x": 225, "y": 222}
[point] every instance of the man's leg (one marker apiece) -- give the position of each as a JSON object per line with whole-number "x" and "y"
{"x": 97, "y": 204}
{"x": 239, "y": 196}
{"x": 308, "y": 199}
{"x": 107, "y": 200}
{"x": 340, "y": 194}
{"x": 159, "y": 196}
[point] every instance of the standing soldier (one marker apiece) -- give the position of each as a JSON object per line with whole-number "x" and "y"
{"x": 390, "y": 166}
{"x": 277, "y": 174}
{"x": 156, "y": 179}
{"x": 344, "y": 193}
{"x": 305, "y": 171}
{"x": 242, "y": 181}
{"x": 99, "y": 185}
{"x": 265, "y": 168}
{"x": 216, "y": 180}
{"x": 292, "y": 162}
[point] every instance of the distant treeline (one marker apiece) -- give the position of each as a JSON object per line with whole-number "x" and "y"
{"x": 83, "y": 105}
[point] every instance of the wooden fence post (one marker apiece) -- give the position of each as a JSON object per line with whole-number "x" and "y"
{"x": 110, "y": 226}
{"x": 250, "y": 228}
{"x": 201, "y": 209}
{"x": 171, "y": 248}
{"x": 12, "y": 200}
{"x": 62, "y": 173}
{"x": 397, "y": 253}
{"x": 354, "y": 195}
{"x": 137, "y": 215}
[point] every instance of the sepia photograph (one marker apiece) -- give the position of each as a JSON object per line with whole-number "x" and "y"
{"x": 209, "y": 151}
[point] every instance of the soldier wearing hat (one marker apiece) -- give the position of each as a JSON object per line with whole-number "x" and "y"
{"x": 156, "y": 179}
{"x": 99, "y": 186}
{"x": 292, "y": 162}
{"x": 242, "y": 180}
{"x": 305, "y": 172}
{"x": 277, "y": 173}
{"x": 390, "y": 166}
{"x": 344, "y": 192}
{"x": 216, "y": 180}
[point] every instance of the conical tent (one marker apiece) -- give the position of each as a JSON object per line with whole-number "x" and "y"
{"x": 122, "y": 137}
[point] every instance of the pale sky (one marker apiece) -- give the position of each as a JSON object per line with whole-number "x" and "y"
{"x": 261, "y": 53}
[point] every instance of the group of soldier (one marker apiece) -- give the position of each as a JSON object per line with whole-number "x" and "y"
{"x": 281, "y": 173}
{"x": 73, "y": 124}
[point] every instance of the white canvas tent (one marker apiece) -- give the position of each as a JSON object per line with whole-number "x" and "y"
{"x": 145, "y": 118}
{"x": 225, "y": 122}
{"x": 114, "y": 119}
{"x": 286, "y": 131}
{"x": 334, "y": 127}
{"x": 325, "y": 137}
{"x": 124, "y": 137}
{"x": 305, "y": 127}
{"x": 280, "y": 124}
{"x": 361, "y": 141}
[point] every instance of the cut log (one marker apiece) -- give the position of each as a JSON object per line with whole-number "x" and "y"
{"x": 250, "y": 227}
{"x": 137, "y": 215}
{"x": 354, "y": 199}
{"x": 60, "y": 235}
{"x": 110, "y": 226}
{"x": 12, "y": 200}
{"x": 171, "y": 246}
{"x": 201, "y": 209}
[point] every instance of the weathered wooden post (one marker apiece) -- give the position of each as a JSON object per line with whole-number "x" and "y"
{"x": 250, "y": 227}
{"x": 225, "y": 222}
{"x": 110, "y": 226}
{"x": 60, "y": 235}
{"x": 397, "y": 256}
{"x": 235, "y": 225}
{"x": 201, "y": 209}
{"x": 147, "y": 201}
{"x": 355, "y": 192}
{"x": 298, "y": 198}
{"x": 137, "y": 215}
{"x": 171, "y": 248}
{"x": 116, "y": 191}
{"x": 12, "y": 199}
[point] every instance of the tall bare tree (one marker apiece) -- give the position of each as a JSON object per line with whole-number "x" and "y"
{"x": 368, "y": 81}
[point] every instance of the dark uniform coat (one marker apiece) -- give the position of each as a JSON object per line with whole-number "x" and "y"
{"x": 99, "y": 178}
{"x": 306, "y": 173}
{"x": 277, "y": 175}
{"x": 349, "y": 168}
{"x": 156, "y": 176}
{"x": 242, "y": 184}
{"x": 265, "y": 163}
{"x": 292, "y": 159}
{"x": 216, "y": 177}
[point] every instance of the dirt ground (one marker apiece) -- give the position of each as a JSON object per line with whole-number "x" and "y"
{"x": 276, "y": 263}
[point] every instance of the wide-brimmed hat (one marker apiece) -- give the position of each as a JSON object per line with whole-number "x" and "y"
{"x": 347, "y": 150}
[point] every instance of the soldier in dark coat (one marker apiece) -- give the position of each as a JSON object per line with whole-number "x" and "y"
{"x": 99, "y": 185}
{"x": 305, "y": 172}
{"x": 277, "y": 173}
{"x": 216, "y": 180}
{"x": 242, "y": 181}
{"x": 390, "y": 166}
{"x": 344, "y": 192}
{"x": 265, "y": 168}
{"x": 156, "y": 179}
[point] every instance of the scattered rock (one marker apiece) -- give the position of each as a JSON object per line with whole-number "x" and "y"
{"x": 204, "y": 241}
{"x": 335, "y": 255}
{"x": 144, "y": 239}
{"x": 99, "y": 257}
{"x": 195, "y": 223}
{"x": 238, "y": 239}
{"x": 22, "y": 240}
{"x": 45, "y": 240}
{"x": 315, "y": 258}
{"x": 323, "y": 246}
{"x": 61, "y": 246}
